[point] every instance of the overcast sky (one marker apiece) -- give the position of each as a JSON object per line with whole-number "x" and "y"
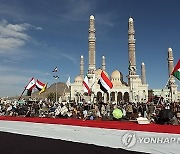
{"x": 38, "y": 35}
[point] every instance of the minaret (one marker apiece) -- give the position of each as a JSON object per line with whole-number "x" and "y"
{"x": 138, "y": 91}
{"x": 92, "y": 47}
{"x": 103, "y": 63}
{"x": 143, "y": 73}
{"x": 172, "y": 86}
{"x": 170, "y": 62}
{"x": 131, "y": 47}
{"x": 82, "y": 66}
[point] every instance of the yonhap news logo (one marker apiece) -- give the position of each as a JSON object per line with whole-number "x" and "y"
{"x": 130, "y": 139}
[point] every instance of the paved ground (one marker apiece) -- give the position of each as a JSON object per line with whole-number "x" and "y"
{"x": 23, "y": 144}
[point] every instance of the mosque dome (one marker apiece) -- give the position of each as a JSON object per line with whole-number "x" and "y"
{"x": 117, "y": 79}
{"x": 98, "y": 73}
{"x": 116, "y": 75}
{"x": 78, "y": 79}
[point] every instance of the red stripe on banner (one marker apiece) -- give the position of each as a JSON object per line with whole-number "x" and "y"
{"x": 106, "y": 79}
{"x": 40, "y": 83}
{"x": 122, "y": 125}
{"x": 32, "y": 87}
{"x": 29, "y": 82}
{"x": 87, "y": 87}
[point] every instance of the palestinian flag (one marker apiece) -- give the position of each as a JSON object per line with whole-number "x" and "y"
{"x": 30, "y": 86}
{"x": 105, "y": 83}
{"x": 176, "y": 71}
{"x": 86, "y": 85}
{"x": 41, "y": 86}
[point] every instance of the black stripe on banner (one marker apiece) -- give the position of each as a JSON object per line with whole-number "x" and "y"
{"x": 38, "y": 88}
{"x": 22, "y": 144}
{"x": 101, "y": 87}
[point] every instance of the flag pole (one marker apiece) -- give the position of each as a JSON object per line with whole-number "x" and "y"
{"x": 56, "y": 90}
{"x": 56, "y": 77}
{"x": 64, "y": 91}
{"x": 22, "y": 93}
{"x": 24, "y": 90}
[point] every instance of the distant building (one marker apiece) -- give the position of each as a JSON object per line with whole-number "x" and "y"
{"x": 159, "y": 93}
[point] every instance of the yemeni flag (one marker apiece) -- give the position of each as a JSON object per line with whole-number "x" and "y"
{"x": 176, "y": 71}
{"x": 41, "y": 86}
{"x": 86, "y": 85}
{"x": 30, "y": 86}
{"x": 105, "y": 83}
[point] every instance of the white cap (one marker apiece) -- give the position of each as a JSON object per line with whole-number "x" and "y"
{"x": 143, "y": 63}
{"x": 169, "y": 49}
{"x": 91, "y": 17}
{"x": 81, "y": 56}
{"x": 130, "y": 19}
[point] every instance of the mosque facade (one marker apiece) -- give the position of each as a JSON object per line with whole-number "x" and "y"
{"x": 135, "y": 90}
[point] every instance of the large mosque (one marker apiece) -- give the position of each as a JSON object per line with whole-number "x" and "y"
{"x": 136, "y": 90}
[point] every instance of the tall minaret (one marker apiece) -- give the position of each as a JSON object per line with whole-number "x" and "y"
{"x": 103, "y": 63}
{"x": 143, "y": 73}
{"x": 172, "y": 86}
{"x": 170, "y": 62}
{"x": 92, "y": 47}
{"x": 131, "y": 47}
{"x": 82, "y": 66}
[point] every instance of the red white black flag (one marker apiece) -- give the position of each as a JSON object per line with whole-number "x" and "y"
{"x": 104, "y": 82}
{"x": 41, "y": 86}
{"x": 86, "y": 85}
{"x": 30, "y": 86}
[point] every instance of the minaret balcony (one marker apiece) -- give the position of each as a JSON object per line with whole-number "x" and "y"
{"x": 170, "y": 58}
{"x": 92, "y": 38}
{"x": 131, "y": 32}
{"x": 131, "y": 40}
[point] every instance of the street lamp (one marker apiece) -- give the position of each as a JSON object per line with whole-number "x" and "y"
{"x": 55, "y": 77}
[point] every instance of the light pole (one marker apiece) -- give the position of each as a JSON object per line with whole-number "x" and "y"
{"x": 55, "y": 77}
{"x": 56, "y": 89}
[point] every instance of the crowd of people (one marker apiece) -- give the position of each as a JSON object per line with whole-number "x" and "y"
{"x": 93, "y": 111}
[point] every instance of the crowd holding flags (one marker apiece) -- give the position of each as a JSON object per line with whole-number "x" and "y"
{"x": 31, "y": 85}
{"x": 39, "y": 85}
{"x": 104, "y": 82}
